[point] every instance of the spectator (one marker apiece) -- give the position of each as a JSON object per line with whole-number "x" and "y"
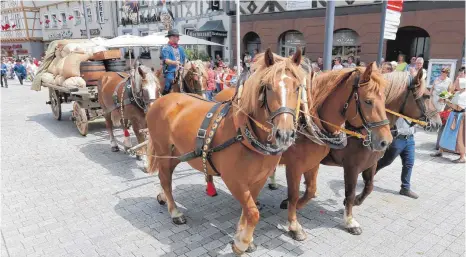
{"x": 218, "y": 79}
{"x": 387, "y": 67}
{"x": 453, "y": 136}
{"x": 337, "y": 65}
{"x": 4, "y": 72}
{"x": 345, "y": 64}
{"x": 403, "y": 145}
{"x": 351, "y": 63}
{"x": 35, "y": 61}
{"x": 20, "y": 71}
{"x": 315, "y": 68}
{"x": 412, "y": 64}
{"x": 419, "y": 66}
{"x": 234, "y": 77}
{"x": 210, "y": 82}
{"x": 441, "y": 84}
{"x": 226, "y": 77}
{"x": 320, "y": 63}
{"x": 394, "y": 65}
{"x": 401, "y": 66}
{"x": 362, "y": 64}
{"x": 247, "y": 60}
{"x": 218, "y": 61}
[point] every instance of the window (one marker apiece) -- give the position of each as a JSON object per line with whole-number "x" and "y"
{"x": 63, "y": 19}
{"x": 290, "y": 41}
{"x": 46, "y": 21}
{"x": 54, "y": 21}
{"x": 77, "y": 17}
{"x": 89, "y": 13}
{"x": 18, "y": 21}
{"x": 346, "y": 44}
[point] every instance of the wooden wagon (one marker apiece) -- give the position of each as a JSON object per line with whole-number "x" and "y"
{"x": 86, "y": 106}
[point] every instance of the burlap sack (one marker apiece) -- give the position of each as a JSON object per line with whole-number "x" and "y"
{"x": 59, "y": 66}
{"x": 70, "y": 48}
{"x": 53, "y": 66}
{"x": 48, "y": 78}
{"x": 59, "y": 80}
{"x": 72, "y": 63}
{"x": 74, "y": 82}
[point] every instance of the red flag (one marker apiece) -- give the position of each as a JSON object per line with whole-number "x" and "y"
{"x": 70, "y": 17}
{"x": 14, "y": 26}
{"x": 7, "y": 26}
{"x": 40, "y": 22}
{"x": 47, "y": 21}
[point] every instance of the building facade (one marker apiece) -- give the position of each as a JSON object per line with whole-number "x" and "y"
{"x": 198, "y": 18}
{"x": 67, "y": 19}
{"x": 21, "y": 34}
{"x": 432, "y": 29}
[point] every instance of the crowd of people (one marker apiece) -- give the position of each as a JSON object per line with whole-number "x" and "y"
{"x": 21, "y": 68}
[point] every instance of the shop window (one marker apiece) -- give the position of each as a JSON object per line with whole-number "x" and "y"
{"x": 54, "y": 21}
{"x": 252, "y": 42}
{"x": 77, "y": 17}
{"x": 46, "y": 21}
{"x": 64, "y": 20}
{"x": 346, "y": 44}
{"x": 89, "y": 13}
{"x": 290, "y": 41}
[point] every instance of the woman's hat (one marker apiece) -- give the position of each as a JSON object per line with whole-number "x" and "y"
{"x": 173, "y": 32}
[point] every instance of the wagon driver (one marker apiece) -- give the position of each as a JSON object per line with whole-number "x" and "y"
{"x": 172, "y": 57}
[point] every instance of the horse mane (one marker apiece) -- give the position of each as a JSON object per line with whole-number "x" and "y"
{"x": 324, "y": 84}
{"x": 264, "y": 75}
{"x": 397, "y": 83}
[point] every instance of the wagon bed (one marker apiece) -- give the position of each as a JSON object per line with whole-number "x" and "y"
{"x": 86, "y": 106}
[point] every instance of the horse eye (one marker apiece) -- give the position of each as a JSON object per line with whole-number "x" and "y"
{"x": 369, "y": 102}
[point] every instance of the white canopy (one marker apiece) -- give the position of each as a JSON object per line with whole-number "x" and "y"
{"x": 156, "y": 39}
{"x": 160, "y": 38}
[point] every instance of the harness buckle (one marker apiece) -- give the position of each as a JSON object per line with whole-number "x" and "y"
{"x": 201, "y": 133}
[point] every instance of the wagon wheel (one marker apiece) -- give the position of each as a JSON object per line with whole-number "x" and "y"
{"x": 80, "y": 119}
{"x": 55, "y": 103}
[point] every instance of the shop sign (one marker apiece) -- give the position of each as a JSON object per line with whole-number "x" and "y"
{"x": 22, "y": 51}
{"x": 12, "y": 46}
{"x": 93, "y": 32}
{"x": 345, "y": 38}
{"x": 100, "y": 11}
{"x": 208, "y": 34}
{"x": 294, "y": 38}
{"x": 61, "y": 35}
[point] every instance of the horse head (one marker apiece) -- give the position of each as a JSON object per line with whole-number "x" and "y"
{"x": 409, "y": 96}
{"x": 355, "y": 96}
{"x": 194, "y": 77}
{"x": 146, "y": 84}
{"x": 271, "y": 94}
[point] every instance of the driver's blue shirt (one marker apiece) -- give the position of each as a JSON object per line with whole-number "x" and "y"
{"x": 172, "y": 53}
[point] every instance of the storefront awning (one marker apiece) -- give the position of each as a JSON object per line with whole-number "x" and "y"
{"x": 210, "y": 29}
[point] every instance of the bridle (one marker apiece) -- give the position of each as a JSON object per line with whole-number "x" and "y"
{"x": 365, "y": 124}
{"x": 419, "y": 102}
{"x": 273, "y": 114}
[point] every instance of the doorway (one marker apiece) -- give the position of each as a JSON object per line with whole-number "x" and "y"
{"x": 411, "y": 41}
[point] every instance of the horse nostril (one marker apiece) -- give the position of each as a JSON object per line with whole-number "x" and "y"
{"x": 293, "y": 134}
{"x": 278, "y": 134}
{"x": 384, "y": 144}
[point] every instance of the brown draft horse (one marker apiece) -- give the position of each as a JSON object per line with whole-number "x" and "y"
{"x": 193, "y": 78}
{"x": 124, "y": 96}
{"x": 328, "y": 95}
{"x": 406, "y": 95}
{"x": 174, "y": 123}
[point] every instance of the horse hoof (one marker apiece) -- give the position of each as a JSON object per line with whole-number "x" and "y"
{"x": 179, "y": 220}
{"x": 138, "y": 157}
{"x": 160, "y": 200}
{"x": 115, "y": 149}
{"x": 298, "y": 235}
{"x": 236, "y": 250}
{"x": 284, "y": 204}
{"x": 344, "y": 202}
{"x": 251, "y": 248}
{"x": 355, "y": 231}
{"x": 273, "y": 186}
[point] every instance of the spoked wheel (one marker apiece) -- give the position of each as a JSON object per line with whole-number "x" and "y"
{"x": 80, "y": 119}
{"x": 55, "y": 103}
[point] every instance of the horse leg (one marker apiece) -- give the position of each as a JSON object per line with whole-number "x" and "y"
{"x": 368, "y": 176}
{"x": 127, "y": 139}
{"x": 273, "y": 183}
{"x": 351, "y": 179}
{"x": 293, "y": 180}
{"x": 310, "y": 180}
{"x": 211, "y": 191}
{"x": 250, "y": 213}
{"x": 139, "y": 124}
{"x": 109, "y": 126}
{"x": 165, "y": 176}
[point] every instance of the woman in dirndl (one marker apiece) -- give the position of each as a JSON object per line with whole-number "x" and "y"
{"x": 453, "y": 136}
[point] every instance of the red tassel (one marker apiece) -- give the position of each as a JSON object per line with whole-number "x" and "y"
{"x": 126, "y": 133}
{"x": 211, "y": 191}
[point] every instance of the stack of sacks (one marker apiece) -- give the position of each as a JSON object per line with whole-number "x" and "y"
{"x": 74, "y": 82}
{"x": 48, "y": 78}
{"x": 69, "y": 69}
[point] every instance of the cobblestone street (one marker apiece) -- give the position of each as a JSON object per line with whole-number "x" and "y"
{"x": 68, "y": 195}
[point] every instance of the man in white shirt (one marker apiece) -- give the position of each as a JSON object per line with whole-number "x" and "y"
{"x": 403, "y": 145}
{"x": 337, "y": 65}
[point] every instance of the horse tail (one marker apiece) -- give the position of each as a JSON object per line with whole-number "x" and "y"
{"x": 116, "y": 118}
{"x": 152, "y": 164}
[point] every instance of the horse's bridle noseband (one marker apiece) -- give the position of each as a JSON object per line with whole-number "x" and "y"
{"x": 281, "y": 110}
{"x": 365, "y": 124}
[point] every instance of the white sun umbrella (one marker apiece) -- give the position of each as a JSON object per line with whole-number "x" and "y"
{"x": 123, "y": 41}
{"x": 159, "y": 39}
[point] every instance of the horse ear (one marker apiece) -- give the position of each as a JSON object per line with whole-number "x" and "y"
{"x": 268, "y": 57}
{"x": 297, "y": 56}
{"x": 369, "y": 69}
{"x": 141, "y": 72}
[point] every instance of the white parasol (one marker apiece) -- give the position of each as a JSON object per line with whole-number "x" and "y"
{"x": 159, "y": 39}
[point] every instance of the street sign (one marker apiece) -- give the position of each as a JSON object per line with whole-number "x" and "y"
{"x": 392, "y": 18}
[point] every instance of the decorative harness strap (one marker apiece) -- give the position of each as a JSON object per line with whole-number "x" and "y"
{"x": 202, "y": 148}
{"x": 129, "y": 99}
